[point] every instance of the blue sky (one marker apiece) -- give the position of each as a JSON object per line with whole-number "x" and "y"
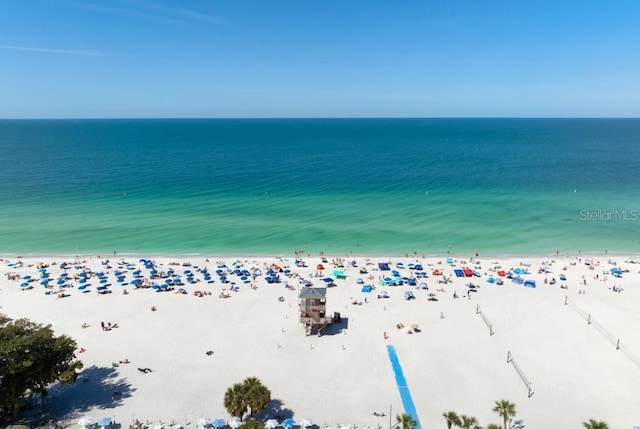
{"x": 329, "y": 58}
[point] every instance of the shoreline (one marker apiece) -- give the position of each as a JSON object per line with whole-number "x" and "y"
{"x": 481, "y": 255}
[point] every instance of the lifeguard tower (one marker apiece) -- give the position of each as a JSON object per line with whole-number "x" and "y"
{"x": 313, "y": 309}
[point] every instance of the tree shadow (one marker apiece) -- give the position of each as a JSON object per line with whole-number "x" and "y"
{"x": 96, "y": 387}
{"x": 276, "y": 410}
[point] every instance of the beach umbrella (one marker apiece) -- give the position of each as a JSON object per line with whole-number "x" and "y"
{"x": 271, "y": 424}
{"x": 105, "y": 421}
{"x": 205, "y": 421}
{"x": 85, "y": 421}
{"x": 234, "y": 424}
{"x": 306, "y": 422}
{"x": 288, "y": 423}
{"x": 218, "y": 423}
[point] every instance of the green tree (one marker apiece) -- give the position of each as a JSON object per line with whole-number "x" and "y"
{"x": 257, "y": 396}
{"x": 467, "y": 422}
{"x": 234, "y": 400}
{"x": 505, "y": 409}
{"x": 405, "y": 421}
{"x": 493, "y": 426}
{"x": 595, "y": 424}
{"x": 251, "y": 424}
{"x": 250, "y": 395}
{"x": 31, "y": 359}
{"x": 452, "y": 419}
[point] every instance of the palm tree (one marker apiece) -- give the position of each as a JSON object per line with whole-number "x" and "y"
{"x": 505, "y": 409}
{"x": 452, "y": 418}
{"x": 234, "y": 400}
{"x": 467, "y": 422}
{"x": 493, "y": 426}
{"x": 257, "y": 398}
{"x": 405, "y": 421}
{"x": 594, "y": 424}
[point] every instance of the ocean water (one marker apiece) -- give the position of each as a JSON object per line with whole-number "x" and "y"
{"x": 273, "y": 186}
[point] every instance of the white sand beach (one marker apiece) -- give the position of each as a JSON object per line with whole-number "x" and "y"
{"x": 344, "y": 376}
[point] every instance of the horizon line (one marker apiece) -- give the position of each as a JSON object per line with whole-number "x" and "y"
{"x": 302, "y": 117}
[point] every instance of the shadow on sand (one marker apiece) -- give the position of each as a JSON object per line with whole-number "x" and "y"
{"x": 336, "y": 327}
{"x": 99, "y": 387}
{"x": 276, "y": 410}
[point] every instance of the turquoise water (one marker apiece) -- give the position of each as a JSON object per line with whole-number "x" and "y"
{"x": 403, "y": 388}
{"x": 367, "y": 186}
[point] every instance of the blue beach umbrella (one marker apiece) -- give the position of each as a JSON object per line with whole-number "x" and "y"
{"x": 218, "y": 423}
{"x": 288, "y": 423}
{"x": 105, "y": 421}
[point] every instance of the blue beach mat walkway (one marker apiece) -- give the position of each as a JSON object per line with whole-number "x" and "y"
{"x": 403, "y": 388}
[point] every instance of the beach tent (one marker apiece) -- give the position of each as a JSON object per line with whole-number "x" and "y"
{"x": 339, "y": 274}
{"x": 408, "y": 295}
{"x": 218, "y": 423}
{"x": 366, "y": 288}
{"x": 288, "y": 423}
{"x": 518, "y": 280}
{"x": 306, "y": 422}
{"x": 530, "y": 283}
{"x": 271, "y": 424}
{"x": 234, "y": 423}
{"x": 383, "y": 266}
{"x": 458, "y": 273}
{"x": 563, "y": 277}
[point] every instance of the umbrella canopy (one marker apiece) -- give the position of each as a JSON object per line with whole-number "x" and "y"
{"x": 205, "y": 421}
{"x": 288, "y": 423}
{"x": 271, "y": 423}
{"x": 105, "y": 421}
{"x": 218, "y": 423}
{"x": 85, "y": 421}
{"x": 306, "y": 422}
{"x": 233, "y": 424}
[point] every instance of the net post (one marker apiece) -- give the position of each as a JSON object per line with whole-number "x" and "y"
{"x": 589, "y": 320}
{"x": 477, "y": 308}
{"x": 566, "y": 300}
{"x": 618, "y": 344}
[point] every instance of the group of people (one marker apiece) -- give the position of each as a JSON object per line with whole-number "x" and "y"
{"x": 107, "y": 326}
